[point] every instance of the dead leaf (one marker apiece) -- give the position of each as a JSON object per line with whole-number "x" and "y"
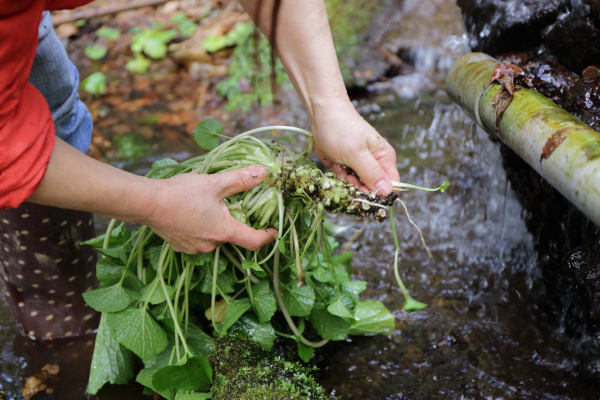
{"x": 220, "y": 310}
{"x": 500, "y": 103}
{"x": 44, "y": 381}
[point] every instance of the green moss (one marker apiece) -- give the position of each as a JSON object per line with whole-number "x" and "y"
{"x": 242, "y": 370}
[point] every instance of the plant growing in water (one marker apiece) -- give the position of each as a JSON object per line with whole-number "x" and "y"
{"x": 158, "y": 304}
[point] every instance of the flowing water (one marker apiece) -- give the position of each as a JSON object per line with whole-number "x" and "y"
{"x": 487, "y": 332}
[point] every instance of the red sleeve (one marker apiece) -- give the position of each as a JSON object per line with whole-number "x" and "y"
{"x": 26, "y": 127}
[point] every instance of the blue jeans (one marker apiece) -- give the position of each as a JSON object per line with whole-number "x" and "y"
{"x": 55, "y": 76}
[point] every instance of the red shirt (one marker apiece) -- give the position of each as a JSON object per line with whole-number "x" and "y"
{"x": 26, "y": 126}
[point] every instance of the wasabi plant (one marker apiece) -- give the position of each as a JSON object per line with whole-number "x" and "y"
{"x": 162, "y": 306}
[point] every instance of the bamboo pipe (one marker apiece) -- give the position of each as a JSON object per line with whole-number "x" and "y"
{"x": 561, "y": 148}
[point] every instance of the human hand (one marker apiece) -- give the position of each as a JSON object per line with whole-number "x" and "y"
{"x": 343, "y": 138}
{"x": 192, "y": 217}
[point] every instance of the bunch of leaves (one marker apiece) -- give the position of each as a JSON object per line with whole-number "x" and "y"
{"x": 157, "y": 304}
{"x": 251, "y": 76}
{"x": 162, "y": 306}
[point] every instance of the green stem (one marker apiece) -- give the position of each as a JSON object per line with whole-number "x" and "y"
{"x": 168, "y": 251}
{"x": 410, "y": 304}
{"x": 299, "y": 271}
{"x": 284, "y": 310}
{"x": 213, "y": 294}
{"x": 109, "y": 230}
{"x": 238, "y": 265}
{"x": 404, "y": 186}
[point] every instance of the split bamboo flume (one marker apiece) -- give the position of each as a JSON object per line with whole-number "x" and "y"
{"x": 561, "y": 148}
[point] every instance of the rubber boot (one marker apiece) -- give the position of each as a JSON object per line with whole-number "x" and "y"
{"x": 44, "y": 270}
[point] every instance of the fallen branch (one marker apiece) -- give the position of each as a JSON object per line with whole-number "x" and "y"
{"x": 103, "y": 10}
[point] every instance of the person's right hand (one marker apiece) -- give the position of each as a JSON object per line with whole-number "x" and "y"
{"x": 192, "y": 217}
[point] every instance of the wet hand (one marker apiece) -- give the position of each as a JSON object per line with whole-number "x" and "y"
{"x": 190, "y": 212}
{"x": 344, "y": 138}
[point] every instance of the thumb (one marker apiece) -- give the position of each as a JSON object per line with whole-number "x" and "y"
{"x": 239, "y": 180}
{"x": 250, "y": 238}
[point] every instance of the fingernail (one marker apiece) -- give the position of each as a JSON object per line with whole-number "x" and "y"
{"x": 258, "y": 171}
{"x": 384, "y": 186}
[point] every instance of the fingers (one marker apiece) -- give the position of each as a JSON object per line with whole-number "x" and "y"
{"x": 250, "y": 238}
{"x": 239, "y": 180}
{"x": 372, "y": 173}
{"x": 341, "y": 173}
{"x": 387, "y": 160}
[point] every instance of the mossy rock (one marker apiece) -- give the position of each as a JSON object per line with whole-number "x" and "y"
{"x": 243, "y": 370}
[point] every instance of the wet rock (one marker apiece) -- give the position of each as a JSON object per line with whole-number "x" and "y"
{"x": 583, "y": 265}
{"x": 577, "y": 93}
{"x": 583, "y": 99}
{"x": 575, "y": 37}
{"x": 594, "y": 7}
{"x": 496, "y": 26}
{"x": 551, "y": 78}
{"x": 568, "y": 249}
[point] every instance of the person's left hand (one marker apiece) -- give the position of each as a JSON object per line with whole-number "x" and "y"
{"x": 343, "y": 138}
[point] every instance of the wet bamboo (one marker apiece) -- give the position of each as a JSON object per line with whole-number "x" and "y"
{"x": 562, "y": 149}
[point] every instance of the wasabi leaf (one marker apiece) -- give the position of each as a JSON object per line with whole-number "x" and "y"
{"x": 137, "y": 330}
{"x": 156, "y": 295}
{"x": 412, "y": 305}
{"x": 372, "y": 317}
{"x": 109, "y": 271}
{"x": 183, "y": 395}
{"x": 264, "y": 335}
{"x": 145, "y": 376}
{"x": 253, "y": 265}
{"x": 248, "y": 327}
{"x": 111, "y": 362}
{"x": 207, "y": 134}
{"x": 339, "y": 308}
{"x": 299, "y": 301}
{"x": 189, "y": 374}
{"x": 110, "y": 299}
{"x": 199, "y": 343}
{"x": 305, "y": 352}
{"x": 235, "y": 309}
{"x": 265, "y": 304}
{"x": 329, "y": 326}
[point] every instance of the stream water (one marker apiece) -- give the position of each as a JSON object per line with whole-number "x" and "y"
{"x": 486, "y": 333}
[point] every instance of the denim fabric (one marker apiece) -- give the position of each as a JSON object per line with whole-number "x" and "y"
{"x": 55, "y": 76}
